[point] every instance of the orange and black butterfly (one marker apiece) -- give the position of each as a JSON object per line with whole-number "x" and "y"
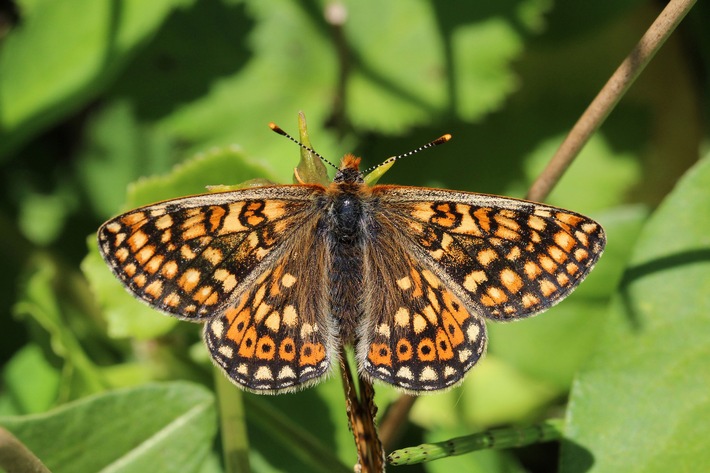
{"x": 282, "y": 275}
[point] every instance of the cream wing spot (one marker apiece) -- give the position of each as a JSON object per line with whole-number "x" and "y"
{"x": 401, "y": 317}
{"x": 288, "y": 280}
{"x": 290, "y": 316}
{"x": 405, "y": 283}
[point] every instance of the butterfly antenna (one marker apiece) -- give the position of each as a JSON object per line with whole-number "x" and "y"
{"x": 278, "y": 130}
{"x": 439, "y": 141}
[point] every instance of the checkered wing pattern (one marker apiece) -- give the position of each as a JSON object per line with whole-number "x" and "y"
{"x": 462, "y": 256}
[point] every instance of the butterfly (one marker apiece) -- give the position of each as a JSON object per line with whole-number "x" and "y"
{"x": 283, "y": 275}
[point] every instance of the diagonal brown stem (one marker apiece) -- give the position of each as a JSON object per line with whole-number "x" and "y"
{"x": 609, "y": 96}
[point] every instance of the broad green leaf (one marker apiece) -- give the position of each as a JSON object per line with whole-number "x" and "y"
{"x": 30, "y": 383}
{"x": 640, "y": 403}
{"x": 80, "y": 53}
{"x": 155, "y": 427}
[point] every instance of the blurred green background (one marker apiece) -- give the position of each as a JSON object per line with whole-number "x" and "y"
{"x": 105, "y": 105}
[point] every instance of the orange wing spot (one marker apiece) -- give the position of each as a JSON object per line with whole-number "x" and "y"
{"x": 122, "y": 254}
{"x": 145, "y": 254}
{"x": 137, "y": 240}
{"x": 202, "y": 294}
{"x": 432, "y": 280}
{"x": 507, "y": 234}
{"x": 195, "y": 231}
{"x": 154, "y": 289}
{"x": 536, "y": 223}
{"x": 485, "y": 257}
{"x": 422, "y": 212}
{"x": 473, "y": 279}
{"x": 164, "y": 222}
{"x": 430, "y": 314}
{"x": 506, "y": 222}
{"x": 130, "y": 270}
{"x": 188, "y": 281}
{"x": 443, "y": 345}
{"x": 547, "y": 287}
{"x": 265, "y": 348}
{"x": 213, "y": 299}
{"x": 532, "y": 270}
{"x": 487, "y": 301}
{"x": 404, "y": 350}
{"x": 543, "y": 213}
{"x": 426, "y": 350}
{"x": 258, "y": 296}
{"x": 497, "y": 294}
{"x": 311, "y": 354}
{"x": 380, "y": 354}
{"x": 535, "y": 237}
{"x": 238, "y": 326}
{"x": 120, "y": 238}
{"x": 564, "y": 240}
{"x": 582, "y": 237}
{"x": 447, "y": 220}
{"x": 261, "y": 311}
{"x": 216, "y": 214}
{"x": 547, "y": 263}
{"x": 581, "y": 254}
{"x": 231, "y": 222}
{"x": 154, "y": 264}
{"x": 530, "y": 300}
{"x": 287, "y": 349}
{"x": 140, "y": 280}
{"x": 468, "y": 225}
{"x": 166, "y": 237}
{"x": 455, "y": 308}
{"x": 433, "y": 300}
{"x": 483, "y": 220}
{"x": 247, "y": 347}
{"x": 568, "y": 218}
{"x": 557, "y": 254}
{"x": 562, "y": 279}
{"x": 572, "y": 269}
{"x": 133, "y": 218}
{"x": 417, "y": 283}
{"x": 511, "y": 280}
{"x": 113, "y": 227}
{"x": 187, "y": 253}
{"x": 196, "y": 219}
{"x": 171, "y": 300}
{"x": 213, "y": 255}
{"x": 275, "y": 288}
{"x": 453, "y": 329}
{"x": 170, "y": 269}
{"x": 513, "y": 254}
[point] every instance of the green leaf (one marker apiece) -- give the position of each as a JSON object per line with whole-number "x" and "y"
{"x": 30, "y": 394}
{"x": 156, "y": 427}
{"x": 639, "y": 404}
{"x": 80, "y": 53}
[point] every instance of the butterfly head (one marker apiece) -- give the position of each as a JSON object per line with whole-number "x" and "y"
{"x": 349, "y": 171}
